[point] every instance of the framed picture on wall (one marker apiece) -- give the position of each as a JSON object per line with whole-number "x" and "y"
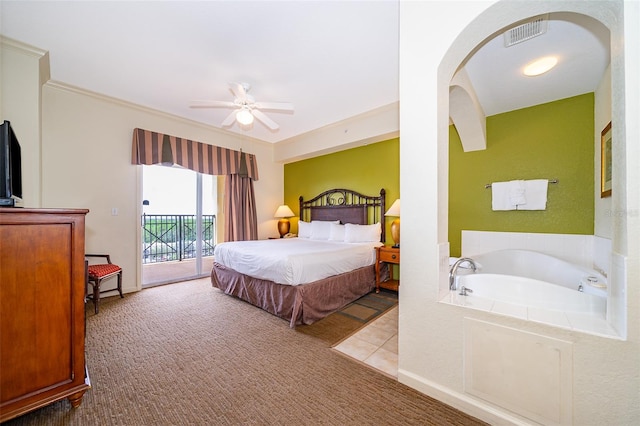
{"x": 606, "y": 161}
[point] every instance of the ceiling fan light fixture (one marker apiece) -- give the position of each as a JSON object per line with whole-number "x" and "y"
{"x": 245, "y": 108}
{"x": 244, "y": 117}
{"x": 540, "y": 66}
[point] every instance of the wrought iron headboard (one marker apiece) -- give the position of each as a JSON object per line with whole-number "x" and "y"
{"x": 347, "y": 206}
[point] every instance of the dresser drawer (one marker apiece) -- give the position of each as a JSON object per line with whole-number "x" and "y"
{"x": 389, "y": 255}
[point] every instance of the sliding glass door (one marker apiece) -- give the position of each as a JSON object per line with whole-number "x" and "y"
{"x": 177, "y": 225}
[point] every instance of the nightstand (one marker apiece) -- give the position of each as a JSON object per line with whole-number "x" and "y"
{"x": 390, "y": 256}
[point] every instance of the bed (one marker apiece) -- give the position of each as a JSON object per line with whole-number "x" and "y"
{"x": 304, "y": 279}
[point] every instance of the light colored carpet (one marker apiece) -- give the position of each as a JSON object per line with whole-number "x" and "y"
{"x": 187, "y": 354}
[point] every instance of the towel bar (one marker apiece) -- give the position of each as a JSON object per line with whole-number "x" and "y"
{"x": 550, "y": 181}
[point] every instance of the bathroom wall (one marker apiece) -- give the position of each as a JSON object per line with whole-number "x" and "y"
{"x": 602, "y": 112}
{"x": 548, "y": 141}
{"x": 435, "y": 38}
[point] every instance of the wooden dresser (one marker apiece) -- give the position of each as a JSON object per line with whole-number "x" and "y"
{"x": 42, "y": 320}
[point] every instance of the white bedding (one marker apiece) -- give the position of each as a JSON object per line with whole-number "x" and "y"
{"x": 294, "y": 261}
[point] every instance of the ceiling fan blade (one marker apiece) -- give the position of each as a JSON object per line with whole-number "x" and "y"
{"x": 265, "y": 120}
{"x": 230, "y": 119}
{"x": 214, "y": 104}
{"x": 276, "y": 106}
{"x": 238, "y": 91}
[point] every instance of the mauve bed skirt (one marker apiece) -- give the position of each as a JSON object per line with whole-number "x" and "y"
{"x": 300, "y": 304}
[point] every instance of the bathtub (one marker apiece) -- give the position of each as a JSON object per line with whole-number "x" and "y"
{"x": 531, "y": 293}
{"x": 541, "y": 267}
{"x": 536, "y": 287}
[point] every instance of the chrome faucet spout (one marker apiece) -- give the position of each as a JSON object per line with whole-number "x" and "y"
{"x": 454, "y": 269}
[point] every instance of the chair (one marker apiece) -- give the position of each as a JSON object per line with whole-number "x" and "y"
{"x": 97, "y": 273}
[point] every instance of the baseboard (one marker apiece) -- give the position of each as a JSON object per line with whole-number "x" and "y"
{"x": 467, "y": 404}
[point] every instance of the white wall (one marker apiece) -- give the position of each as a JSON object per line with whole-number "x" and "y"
{"x": 605, "y": 388}
{"x": 77, "y": 145}
{"x": 23, "y": 68}
{"x": 86, "y": 152}
{"x": 430, "y": 336}
{"x": 602, "y": 116}
{"x": 373, "y": 126}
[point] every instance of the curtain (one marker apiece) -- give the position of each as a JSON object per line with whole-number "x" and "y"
{"x": 240, "y": 169}
{"x": 240, "y": 207}
{"x": 156, "y": 148}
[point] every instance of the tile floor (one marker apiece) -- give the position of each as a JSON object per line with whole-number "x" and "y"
{"x": 376, "y": 344}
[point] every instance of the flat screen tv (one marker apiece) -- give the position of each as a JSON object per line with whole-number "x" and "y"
{"x": 10, "y": 167}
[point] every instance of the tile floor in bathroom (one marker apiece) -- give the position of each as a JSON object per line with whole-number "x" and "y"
{"x": 376, "y": 344}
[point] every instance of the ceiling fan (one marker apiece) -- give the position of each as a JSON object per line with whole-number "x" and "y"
{"x": 246, "y": 107}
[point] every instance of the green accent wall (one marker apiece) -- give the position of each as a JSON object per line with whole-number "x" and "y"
{"x": 548, "y": 141}
{"x": 365, "y": 169}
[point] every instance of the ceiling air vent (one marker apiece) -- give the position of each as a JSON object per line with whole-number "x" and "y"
{"x": 526, "y": 31}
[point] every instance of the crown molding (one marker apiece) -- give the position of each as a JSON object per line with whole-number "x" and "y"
{"x": 126, "y": 104}
{"x": 27, "y": 49}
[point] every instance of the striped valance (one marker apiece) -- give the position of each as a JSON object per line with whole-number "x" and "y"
{"x": 157, "y": 148}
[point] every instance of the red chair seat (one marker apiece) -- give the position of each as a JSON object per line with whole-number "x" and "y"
{"x": 101, "y": 271}
{"x": 95, "y": 274}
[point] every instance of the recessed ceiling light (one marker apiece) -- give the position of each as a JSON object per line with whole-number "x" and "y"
{"x": 540, "y": 66}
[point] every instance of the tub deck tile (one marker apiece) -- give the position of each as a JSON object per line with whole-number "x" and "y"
{"x": 591, "y": 324}
{"x": 510, "y": 309}
{"x": 557, "y": 318}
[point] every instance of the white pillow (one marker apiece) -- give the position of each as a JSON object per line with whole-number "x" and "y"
{"x": 336, "y": 233}
{"x": 320, "y": 229}
{"x": 304, "y": 229}
{"x": 362, "y": 233}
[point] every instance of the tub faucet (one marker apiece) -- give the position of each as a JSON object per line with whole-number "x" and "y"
{"x": 454, "y": 270}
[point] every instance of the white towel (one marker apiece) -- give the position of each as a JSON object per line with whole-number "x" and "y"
{"x": 500, "y": 199}
{"x": 517, "y": 192}
{"x": 536, "y": 194}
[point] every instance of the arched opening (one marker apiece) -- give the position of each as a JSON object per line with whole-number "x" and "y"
{"x": 603, "y": 245}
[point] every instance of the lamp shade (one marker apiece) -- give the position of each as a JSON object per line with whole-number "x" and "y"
{"x": 394, "y": 210}
{"x": 284, "y": 211}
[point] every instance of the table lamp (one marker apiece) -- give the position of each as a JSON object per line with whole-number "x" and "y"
{"x": 283, "y": 212}
{"x": 394, "y": 211}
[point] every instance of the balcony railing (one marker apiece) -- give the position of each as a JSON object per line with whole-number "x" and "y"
{"x": 173, "y": 237}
